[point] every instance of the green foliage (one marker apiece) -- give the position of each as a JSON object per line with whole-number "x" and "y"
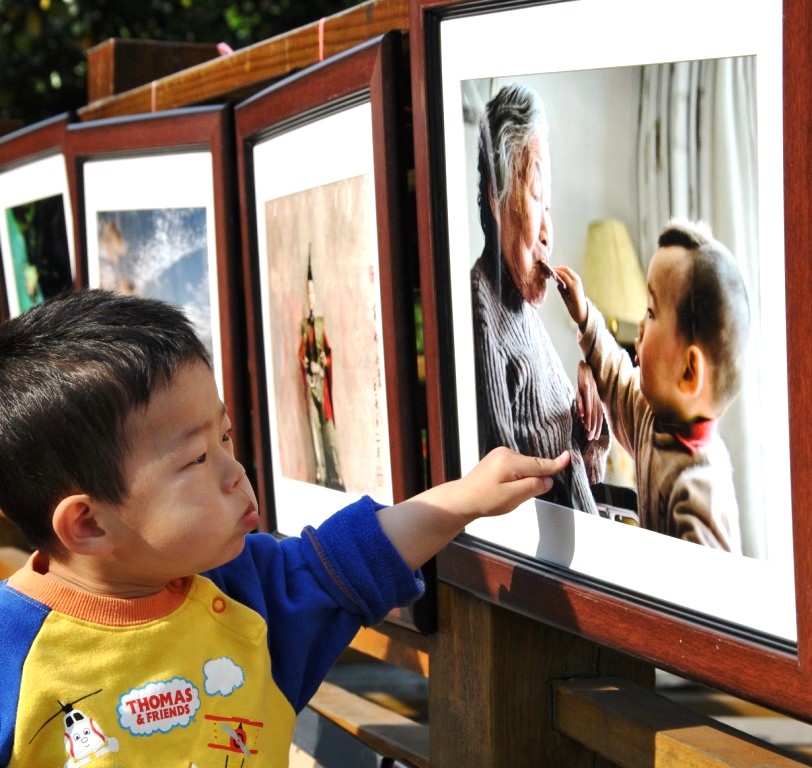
{"x": 43, "y": 43}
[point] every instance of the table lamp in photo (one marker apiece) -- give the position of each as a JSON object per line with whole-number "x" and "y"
{"x": 613, "y": 278}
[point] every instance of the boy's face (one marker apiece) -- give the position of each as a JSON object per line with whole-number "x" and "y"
{"x": 659, "y": 345}
{"x": 189, "y": 503}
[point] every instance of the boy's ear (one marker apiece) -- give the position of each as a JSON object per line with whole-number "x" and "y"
{"x": 694, "y": 371}
{"x": 77, "y": 526}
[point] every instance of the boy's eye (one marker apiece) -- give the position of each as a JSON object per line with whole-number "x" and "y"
{"x": 226, "y": 436}
{"x": 200, "y": 459}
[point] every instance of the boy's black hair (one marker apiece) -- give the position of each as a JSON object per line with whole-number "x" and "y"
{"x": 714, "y": 311}
{"x": 72, "y": 370}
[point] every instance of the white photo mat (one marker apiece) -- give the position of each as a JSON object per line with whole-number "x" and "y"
{"x": 36, "y": 180}
{"x": 336, "y": 147}
{"x": 568, "y": 37}
{"x": 154, "y": 182}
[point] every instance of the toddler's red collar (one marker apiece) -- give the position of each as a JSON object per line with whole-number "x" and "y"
{"x": 695, "y": 436}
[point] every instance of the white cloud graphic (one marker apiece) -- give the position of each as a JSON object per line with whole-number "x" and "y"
{"x": 223, "y": 676}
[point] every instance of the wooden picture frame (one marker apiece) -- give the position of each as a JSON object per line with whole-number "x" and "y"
{"x": 38, "y": 259}
{"x": 155, "y": 214}
{"x": 730, "y": 652}
{"x": 322, "y": 164}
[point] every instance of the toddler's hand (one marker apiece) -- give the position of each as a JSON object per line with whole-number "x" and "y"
{"x": 573, "y": 296}
{"x": 503, "y": 479}
{"x": 589, "y": 402}
{"x": 421, "y": 526}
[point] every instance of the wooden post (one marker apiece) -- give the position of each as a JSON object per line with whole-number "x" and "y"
{"x": 118, "y": 65}
{"x": 248, "y": 69}
{"x": 491, "y": 685}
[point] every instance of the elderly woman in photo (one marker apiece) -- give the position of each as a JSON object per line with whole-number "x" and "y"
{"x": 524, "y": 398}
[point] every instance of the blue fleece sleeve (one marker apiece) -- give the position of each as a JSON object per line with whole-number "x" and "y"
{"x": 359, "y": 565}
{"x": 316, "y": 591}
{"x": 22, "y": 620}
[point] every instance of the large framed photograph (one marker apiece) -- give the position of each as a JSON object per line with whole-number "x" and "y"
{"x": 36, "y": 220}
{"x": 156, "y": 218}
{"x": 329, "y": 294}
{"x": 329, "y": 302}
{"x": 539, "y": 117}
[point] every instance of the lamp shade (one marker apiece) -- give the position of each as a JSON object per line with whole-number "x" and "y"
{"x": 611, "y": 272}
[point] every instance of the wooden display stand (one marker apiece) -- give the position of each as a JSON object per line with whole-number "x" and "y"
{"x": 505, "y": 689}
{"x": 491, "y": 696}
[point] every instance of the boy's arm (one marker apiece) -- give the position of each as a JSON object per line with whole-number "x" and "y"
{"x": 588, "y": 398}
{"x": 615, "y": 375}
{"x": 421, "y": 526}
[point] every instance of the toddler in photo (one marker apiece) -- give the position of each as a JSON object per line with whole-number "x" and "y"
{"x": 690, "y": 352}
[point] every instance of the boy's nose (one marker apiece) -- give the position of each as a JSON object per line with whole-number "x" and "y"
{"x": 234, "y": 475}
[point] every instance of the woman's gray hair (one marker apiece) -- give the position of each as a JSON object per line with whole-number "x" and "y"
{"x": 510, "y": 121}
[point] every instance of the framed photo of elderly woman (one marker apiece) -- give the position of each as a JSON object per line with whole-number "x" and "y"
{"x": 331, "y": 320}
{"x": 561, "y": 174}
{"x": 155, "y": 217}
{"x": 36, "y": 224}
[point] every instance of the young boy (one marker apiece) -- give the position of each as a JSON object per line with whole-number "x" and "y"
{"x": 690, "y": 350}
{"x": 116, "y": 462}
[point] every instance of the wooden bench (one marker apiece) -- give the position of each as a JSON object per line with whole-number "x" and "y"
{"x": 399, "y": 739}
{"x": 635, "y": 727}
{"x": 388, "y": 733}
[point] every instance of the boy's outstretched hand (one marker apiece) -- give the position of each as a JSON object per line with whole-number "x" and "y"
{"x": 573, "y": 295}
{"x": 502, "y": 480}
{"x": 421, "y": 526}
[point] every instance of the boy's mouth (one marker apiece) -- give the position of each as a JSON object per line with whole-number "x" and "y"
{"x": 251, "y": 516}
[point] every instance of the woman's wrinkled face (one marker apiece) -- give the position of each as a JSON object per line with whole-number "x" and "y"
{"x": 526, "y": 227}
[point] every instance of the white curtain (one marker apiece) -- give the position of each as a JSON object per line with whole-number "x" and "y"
{"x": 697, "y": 159}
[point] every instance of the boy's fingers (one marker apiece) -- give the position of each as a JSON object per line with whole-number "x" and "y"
{"x": 516, "y": 466}
{"x": 523, "y": 477}
{"x": 548, "y": 467}
{"x": 528, "y": 487}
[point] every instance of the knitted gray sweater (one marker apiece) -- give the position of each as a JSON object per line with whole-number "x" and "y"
{"x": 524, "y": 399}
